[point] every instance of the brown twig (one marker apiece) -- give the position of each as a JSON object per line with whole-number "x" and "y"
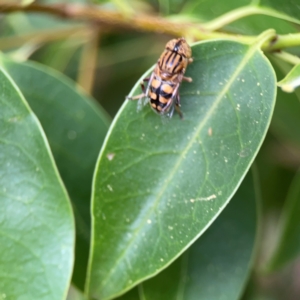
{"x": 100, "y": 16}
{"x": 88, "y": 62}
{"x": 140, "y": 22}
{"x": 145, "y": 23}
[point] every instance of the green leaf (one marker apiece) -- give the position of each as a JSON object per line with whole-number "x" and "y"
{"x": 275, "y": 180}
{"x": 255, "y": 24}
{"x": 36, "y": 222}
{"x": 286, "y": 121}
{"x": 75, "y": 127}
{"x": 218, "y": 264}
{"x": 65, "y": 60}
{"x": 159, "y": 185}
{"x": 209, "y": 9}
{"x": 287, "y": 7}
{"x": 24, "y": 24}
{"x": 288, "y": 244}
{"x": 29, "y": 31}
{"x": 291, "y": 80}
{"x": 265, "y": 16}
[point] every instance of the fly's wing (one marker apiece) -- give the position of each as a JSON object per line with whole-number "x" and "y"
{"x": 168, "y": 110}
{"x": 142, "y": 102}
{"x": 144, "y": 99}
{"x": 166, "y": 117}
{"x": 171, "y": 110}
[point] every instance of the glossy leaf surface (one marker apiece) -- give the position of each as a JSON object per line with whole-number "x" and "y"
{"x": 36, "y": 220}
{"x": 288, "y": 244}
{"x": 218, "y": 264}
{"x": 75, "y": 127}
{"x": 159, "y": 185}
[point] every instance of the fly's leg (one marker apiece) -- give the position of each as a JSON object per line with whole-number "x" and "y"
{"x": 178, "y": 100}
{"x": 179, "y": 111}
{"x": 188, "y": 79}
{"x": 183, "y": 78}
{"x": 177, "y": 105}
{"x": 138, "y": 97}
{"x": 143, "y": 85}
{"x": 143, "y": 99}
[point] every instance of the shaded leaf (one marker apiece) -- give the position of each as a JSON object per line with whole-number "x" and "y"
{"x": 275, "y": 180}
{"x": 159, "y": 186}
{"x": 218, "y": 264}
{"x": 75, "y": 127}
{"x": 130, "y": 295}
{"x": 27, "y": 32}
{"x": 36, "y": 221}
{"x": 255, "y": 24}
{"x": 286, "y": 121}
{"x": 288, "y": 7}
{"x": 291, "y": 81}
{"x": 66, "y": 56}
{"x": 268, "y": 17}
{"x": 210, "y": 9}
{"x": 288, "y": 244}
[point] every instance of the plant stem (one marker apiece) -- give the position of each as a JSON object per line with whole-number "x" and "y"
{"x": 285, "y": 41}
{"x": 290, "y": 58}
{"x": 242, "y": 12}
{"x": 265, "y": 37}
{"x": 88, "y": 62}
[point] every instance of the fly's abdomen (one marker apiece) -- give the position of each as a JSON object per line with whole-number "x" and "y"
{"x": 161, "y": 95}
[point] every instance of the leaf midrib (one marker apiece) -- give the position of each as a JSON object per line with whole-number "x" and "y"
{"x": 223, "y": 92}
